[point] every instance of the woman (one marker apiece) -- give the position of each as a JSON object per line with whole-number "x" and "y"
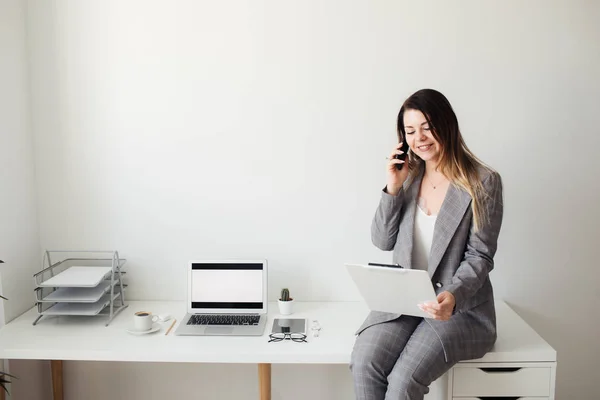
{"x": 441, "y": 212}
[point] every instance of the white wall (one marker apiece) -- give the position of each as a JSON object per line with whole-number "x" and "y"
{"x": 177, "y": 130}
{"x": 19, "y": 234}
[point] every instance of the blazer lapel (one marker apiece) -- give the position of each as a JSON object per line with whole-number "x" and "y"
{"x": 451, "y": 213}
{"x": 407, "y": 228}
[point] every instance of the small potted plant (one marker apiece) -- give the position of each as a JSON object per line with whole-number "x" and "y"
{"x": 285, "y": 302}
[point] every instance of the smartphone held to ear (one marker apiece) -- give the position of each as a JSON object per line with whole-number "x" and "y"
{"x": 402, "y": 156}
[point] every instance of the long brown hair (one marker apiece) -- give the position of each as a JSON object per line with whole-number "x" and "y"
{"x": 456, "y": 161}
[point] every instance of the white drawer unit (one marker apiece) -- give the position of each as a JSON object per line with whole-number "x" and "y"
{"x": 502, "y": 381}
{"x": 520, "y": 366}
{"x": 502, "y": 398}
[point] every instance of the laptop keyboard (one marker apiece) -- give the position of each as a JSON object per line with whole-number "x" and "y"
{"x": 224, "y": 319}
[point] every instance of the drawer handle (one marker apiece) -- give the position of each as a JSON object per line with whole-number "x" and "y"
{"x": 505, "y": 369}
{"x": 499, "y": 398}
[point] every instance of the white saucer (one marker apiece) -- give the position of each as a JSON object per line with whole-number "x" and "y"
{"x": 155, "y": 328}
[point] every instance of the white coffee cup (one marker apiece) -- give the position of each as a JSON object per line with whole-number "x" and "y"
{"x": 142, "y": 320}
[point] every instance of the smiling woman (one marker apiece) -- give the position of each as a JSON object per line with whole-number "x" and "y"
{"x": 442, "y": 214}
{"x": 430, "y": 127}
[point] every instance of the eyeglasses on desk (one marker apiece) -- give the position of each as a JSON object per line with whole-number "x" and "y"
{"x": 295, "y": 337}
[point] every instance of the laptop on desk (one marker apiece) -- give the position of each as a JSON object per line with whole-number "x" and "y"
{"x": 226, "y": 297}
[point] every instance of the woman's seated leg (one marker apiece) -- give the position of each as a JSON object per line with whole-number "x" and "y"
{"x": 375, "y": 353}
{"x": 421, "y": 362}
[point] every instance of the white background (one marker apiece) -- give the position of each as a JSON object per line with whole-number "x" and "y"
{"x": 259, "y": 129}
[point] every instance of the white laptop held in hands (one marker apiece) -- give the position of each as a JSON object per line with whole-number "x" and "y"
{"x": 226, "y": 297}
{"x": 393, "y": 289}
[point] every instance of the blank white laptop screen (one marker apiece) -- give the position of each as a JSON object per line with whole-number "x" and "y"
{"x": 227, "y": 285}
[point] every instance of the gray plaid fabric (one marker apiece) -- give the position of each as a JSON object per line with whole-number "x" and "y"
{"x": 398, "y": 357}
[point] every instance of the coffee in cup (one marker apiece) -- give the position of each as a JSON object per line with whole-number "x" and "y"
{"x": 142, "y": 320}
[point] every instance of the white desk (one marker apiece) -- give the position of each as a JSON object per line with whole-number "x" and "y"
{"x": 87, "y": 339}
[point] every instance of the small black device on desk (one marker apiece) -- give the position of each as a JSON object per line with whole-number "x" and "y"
{"x": 293, "y": 329}
{"x": 289, "y": 325}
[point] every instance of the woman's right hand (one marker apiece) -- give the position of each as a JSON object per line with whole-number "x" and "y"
{"x": 396, "y": 177}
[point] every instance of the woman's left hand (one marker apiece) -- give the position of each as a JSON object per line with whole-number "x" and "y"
{"x": 442, "y": 310}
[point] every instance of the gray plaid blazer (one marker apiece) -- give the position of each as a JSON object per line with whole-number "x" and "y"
{"x": 459, "y": 262}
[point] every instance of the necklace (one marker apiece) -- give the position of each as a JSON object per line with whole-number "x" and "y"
{"x": 436, "y": 185}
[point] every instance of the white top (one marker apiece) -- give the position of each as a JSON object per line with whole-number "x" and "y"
{"x": 423, "y": 237}
{"x": 86, "y": 338}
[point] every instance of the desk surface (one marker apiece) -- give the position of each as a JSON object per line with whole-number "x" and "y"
{"x": 86, "y": 338}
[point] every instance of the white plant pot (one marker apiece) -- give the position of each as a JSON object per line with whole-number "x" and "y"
{"x": 286, "y": 307}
